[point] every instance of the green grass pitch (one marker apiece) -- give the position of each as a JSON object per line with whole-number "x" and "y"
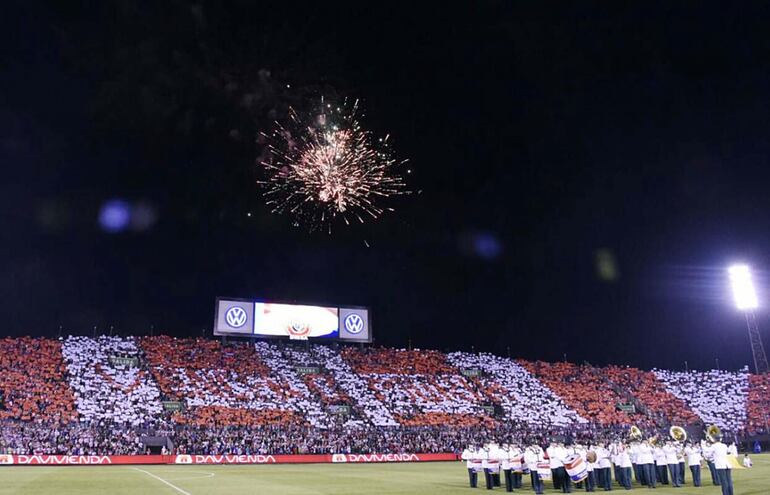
{"x": 331, "y": 479}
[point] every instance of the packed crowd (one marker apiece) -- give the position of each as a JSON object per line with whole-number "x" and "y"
{"x": 118, "y": 439}
{"x": 238, "y": 384}
{"x": 27, "y": 438}
{"x": 521, "y": 396}
{"x": 661, "y": 406}
{"x": 80, "y": 393}
{"x": 33, "y": 381}
{"x": 717, "y": 397}
{"x": 758, "y": 404}
{"x": 106, "y": 385}
{"x": 587, "y": 392}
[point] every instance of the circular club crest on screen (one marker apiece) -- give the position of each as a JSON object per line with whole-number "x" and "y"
{"x": 236, "y": 317}
{"x": 354, "y": 323}
{"x": 298, "y": 329}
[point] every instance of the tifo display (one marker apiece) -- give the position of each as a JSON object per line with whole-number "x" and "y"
{"x": 107, "y": 396}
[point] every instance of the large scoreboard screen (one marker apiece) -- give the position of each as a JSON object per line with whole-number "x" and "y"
{"x": 244, "y": 318}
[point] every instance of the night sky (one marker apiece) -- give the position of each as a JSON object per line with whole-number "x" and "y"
{"x": 582, "y": 174}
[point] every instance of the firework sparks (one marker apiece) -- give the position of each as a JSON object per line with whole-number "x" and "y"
{"x": 324, "y": 165}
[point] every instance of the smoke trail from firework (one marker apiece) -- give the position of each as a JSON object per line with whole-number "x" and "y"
{"x": 323, "y": 166}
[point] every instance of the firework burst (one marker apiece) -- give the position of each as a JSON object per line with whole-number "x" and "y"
{"x": 324, "y": 166}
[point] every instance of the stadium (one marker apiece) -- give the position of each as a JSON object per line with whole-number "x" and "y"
{"x": 254, "y": 247}
{"x": 190, "y": 414}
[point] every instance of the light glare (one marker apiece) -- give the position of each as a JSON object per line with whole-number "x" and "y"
{"x": 743, "y": 288}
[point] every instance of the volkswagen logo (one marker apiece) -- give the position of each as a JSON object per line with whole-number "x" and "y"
{"x": 236, "y": 317}
{"x": 354, "y": 323}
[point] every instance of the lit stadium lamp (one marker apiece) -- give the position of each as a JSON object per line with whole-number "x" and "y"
{"x": 743, "y": 288}
{"x": 746, "y": 300}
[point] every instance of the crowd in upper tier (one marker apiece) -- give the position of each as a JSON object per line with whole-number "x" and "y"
{"x": 717, "y": 397}
{"x": 106, "y": 385}
{"x": 80, "y": 394}
{"x": 652, "y": 397}
{"x": 33, "y": 381}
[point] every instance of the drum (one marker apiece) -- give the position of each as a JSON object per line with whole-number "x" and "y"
{"x": 544, "y": 471}
{"x": 516, "y": 466}
{"x": 576, "y": 468}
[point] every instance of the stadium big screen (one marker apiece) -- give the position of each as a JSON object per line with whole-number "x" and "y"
{"x": 244, "y": 318}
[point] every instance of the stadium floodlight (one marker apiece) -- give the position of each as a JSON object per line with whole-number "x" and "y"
{"x": 746, "y": 300}
{"x": 743, "y": 288}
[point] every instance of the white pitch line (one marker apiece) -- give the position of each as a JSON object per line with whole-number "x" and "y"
{"x": 164, "y": 481}
{"x": 201, "y": 477}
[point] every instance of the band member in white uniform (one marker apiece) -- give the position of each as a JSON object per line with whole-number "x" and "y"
{"x": 472, "y": 458}
{"x": 633, "y": 452}
{"x": 669, "y": 449}
{"x": 680, "y": 458}
{"x": 624, "y": 466}
{"x": 693, "y": 454}
{"x": 661, "y": 465}
{"x": 647, "y": 463}
{"x": 614, "y": 449}
{"x": 505, "y": 466}
{"x": 605, "y": 467}
{"x": 532, "y": 456}
{"x": 490, "y": 464}
{"x": 708, "y": 454}
{"x": 556, "y": 455}
{"x": 722, "y": 465}
{"x": 590, "y": 481}
{"x": 517, "y": 460}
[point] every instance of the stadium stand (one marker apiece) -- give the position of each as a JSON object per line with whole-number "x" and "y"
{"x": 32, "y": 378}
{"x": 717, "y": 397}
{"x": 521, "y": 396}
{"x": 370, "y": 361}
{"x": 238, "y": 384}
{"x": 367, "y": 404}
{"x": 758, "y": 404}
{"x": 585, "y": 390}
{"x": 663, "y": 408}
{"x": 85, "y": 396}
{"x": 108, "y": 383}
{"x": 420, "y": 388}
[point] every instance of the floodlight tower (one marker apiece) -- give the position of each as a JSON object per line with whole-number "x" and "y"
{"x": 746, "y": 300}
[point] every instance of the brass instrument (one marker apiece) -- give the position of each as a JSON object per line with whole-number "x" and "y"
{"x": 635, "y": 433}
{"x": 653, "y": 441}
{"x": 713, "y": 434}
{"x": 678, "y": 433}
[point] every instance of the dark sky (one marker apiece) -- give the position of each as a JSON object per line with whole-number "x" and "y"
{"x": 540, "y": 134}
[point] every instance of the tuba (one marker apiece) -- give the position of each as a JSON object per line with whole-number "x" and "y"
{"x": 713, "y": 434}
{"x": 635, "y": 433}
{"x": 678, "y": 433}
{"x": 653, "y": 441}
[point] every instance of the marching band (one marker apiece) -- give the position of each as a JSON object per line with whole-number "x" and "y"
{"x": 590, "y": 467}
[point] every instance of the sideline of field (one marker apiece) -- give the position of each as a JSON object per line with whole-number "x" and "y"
{"x": 322, "y": 479}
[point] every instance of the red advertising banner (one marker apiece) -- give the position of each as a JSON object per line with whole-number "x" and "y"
{"x": 392, "y": 457}
{"x": 69, "y": 460}
{"x": 308, "y": 459}
{"x": 102, "y": 460}
{"x": 242, "y": 459}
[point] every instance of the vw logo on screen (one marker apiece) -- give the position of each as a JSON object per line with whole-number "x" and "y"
{"x": 236, "y": 317}
{"x": 354, "y": 323}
